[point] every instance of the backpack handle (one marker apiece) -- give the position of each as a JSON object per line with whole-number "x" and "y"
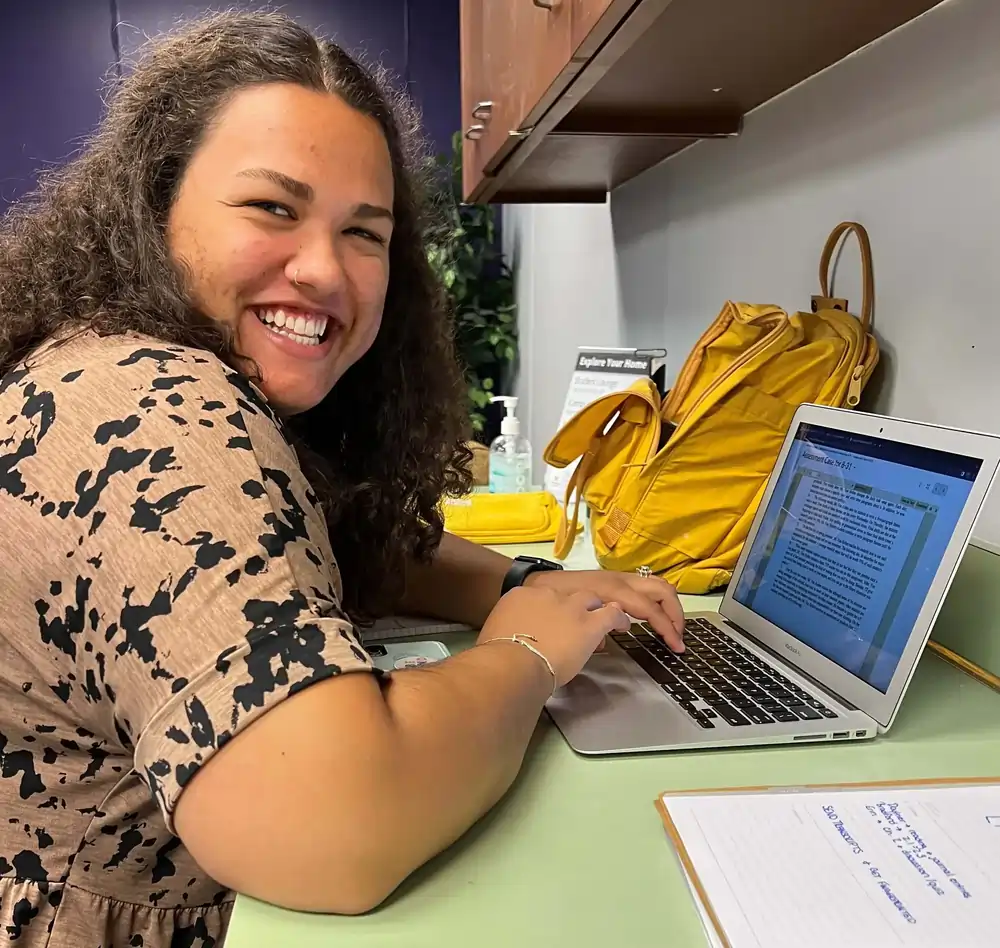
{"x": 867, "y": 268}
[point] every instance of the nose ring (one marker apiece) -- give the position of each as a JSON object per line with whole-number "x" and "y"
{"x": 295, "y": 279}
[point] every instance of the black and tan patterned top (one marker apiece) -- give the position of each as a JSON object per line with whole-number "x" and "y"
{"x": 166, "y": 578}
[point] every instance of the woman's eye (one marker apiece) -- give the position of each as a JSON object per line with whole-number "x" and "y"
{"x": 368, "y": 235}
{"x": 272, "y": 207}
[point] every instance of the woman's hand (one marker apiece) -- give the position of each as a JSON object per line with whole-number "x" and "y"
{"x": 567, "y": 629}
{"x": 648, "y": 598}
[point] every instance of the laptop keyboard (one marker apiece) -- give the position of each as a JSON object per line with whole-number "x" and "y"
{"x": 717, "y": 678}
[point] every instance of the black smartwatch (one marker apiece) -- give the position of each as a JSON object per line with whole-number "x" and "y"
{"x": 522, "y": 567}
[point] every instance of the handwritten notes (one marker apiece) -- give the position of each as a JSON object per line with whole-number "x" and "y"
{"x": 914, "y": 867}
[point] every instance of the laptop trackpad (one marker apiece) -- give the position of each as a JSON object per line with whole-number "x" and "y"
{"x": 613, "y": 705}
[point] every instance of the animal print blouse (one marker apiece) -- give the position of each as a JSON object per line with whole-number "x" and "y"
{"x": 166, "y": 578}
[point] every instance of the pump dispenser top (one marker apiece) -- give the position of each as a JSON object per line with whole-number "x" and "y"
{"x": 510, "y": 424}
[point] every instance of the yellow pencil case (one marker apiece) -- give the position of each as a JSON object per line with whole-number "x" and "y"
{"x": 531, "y": 517}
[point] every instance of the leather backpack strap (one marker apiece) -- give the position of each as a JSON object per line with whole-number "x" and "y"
{"x": 867, "y": 268}
{"x": 566, "y": 535}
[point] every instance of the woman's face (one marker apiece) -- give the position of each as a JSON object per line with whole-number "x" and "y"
{"x": 283, "y": 220}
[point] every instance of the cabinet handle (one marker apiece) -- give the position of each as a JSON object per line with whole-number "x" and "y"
{"x": 475, "y": 132}
{"x": 547, "y": 4}
{"x": 483, "y": 111}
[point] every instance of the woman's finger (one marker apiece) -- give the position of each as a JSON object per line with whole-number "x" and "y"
{"x": 641, "y": 606}
{"x": 666, "y": 595}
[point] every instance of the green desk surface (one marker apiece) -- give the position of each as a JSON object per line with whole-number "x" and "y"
{"x": 576, "y": 855}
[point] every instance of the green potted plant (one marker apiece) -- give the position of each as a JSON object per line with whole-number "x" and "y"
{"x": 464, "y": 250}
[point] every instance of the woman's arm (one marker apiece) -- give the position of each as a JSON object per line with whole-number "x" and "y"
{"x": 461, "y": 584}
{"x": 328, "y": 801}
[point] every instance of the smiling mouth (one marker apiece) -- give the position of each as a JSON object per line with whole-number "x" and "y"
{"x": 306, "y": 330}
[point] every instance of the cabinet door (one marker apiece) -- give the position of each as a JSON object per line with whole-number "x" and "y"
{"x": 585, "y": 16}
{"x": 524, "y": 47}
{"x": 476, "y": 105}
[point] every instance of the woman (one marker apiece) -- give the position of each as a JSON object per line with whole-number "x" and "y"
{"x": 225, "y": 373}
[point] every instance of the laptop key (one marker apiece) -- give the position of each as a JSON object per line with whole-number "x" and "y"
{"x": 808, "y": 714}
{"x": 652, "y": 667}
{"x": 758, "y": 716}
{"x": 730, "y": 715}
{"x": 697, "y": 716}
{"x": 827, "y": 713}
{"x": 784, "y": 716}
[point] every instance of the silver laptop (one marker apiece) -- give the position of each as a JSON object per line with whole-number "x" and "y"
{"x": 859, "y": 533}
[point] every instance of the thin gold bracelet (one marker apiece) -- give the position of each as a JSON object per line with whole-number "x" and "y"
{"x": 525, "y": 641}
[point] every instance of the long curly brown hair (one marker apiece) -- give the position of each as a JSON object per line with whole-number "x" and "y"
{"x": 88, "y": 247}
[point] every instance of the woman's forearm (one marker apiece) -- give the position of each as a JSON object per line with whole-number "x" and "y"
{"x": 461, "y": 584}
{"x": 369, "y": 786}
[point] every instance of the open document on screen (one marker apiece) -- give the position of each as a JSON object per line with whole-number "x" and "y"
{"x": 849, "y": 544}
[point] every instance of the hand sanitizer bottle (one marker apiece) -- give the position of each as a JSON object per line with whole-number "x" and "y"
{"x": 510, "y": 454}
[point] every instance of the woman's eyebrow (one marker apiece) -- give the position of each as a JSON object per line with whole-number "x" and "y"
{"x": 369, "y": 211}
{"x": 294, "y": 187}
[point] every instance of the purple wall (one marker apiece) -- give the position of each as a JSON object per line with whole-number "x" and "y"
{"x": 54, "y": 55}
{"x": 375, "y": 26}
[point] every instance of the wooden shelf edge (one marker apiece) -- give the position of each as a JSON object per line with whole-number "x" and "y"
{"x": 650, "y": 126}
{"x": 588, "y": 196}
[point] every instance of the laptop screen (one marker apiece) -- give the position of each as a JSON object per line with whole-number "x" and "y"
{"x": 849, "y": 544}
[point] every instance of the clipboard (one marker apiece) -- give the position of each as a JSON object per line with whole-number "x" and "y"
{"x": 700, "y": 890}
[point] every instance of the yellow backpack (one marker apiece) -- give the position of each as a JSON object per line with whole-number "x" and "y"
{"x": 674, "y": 485}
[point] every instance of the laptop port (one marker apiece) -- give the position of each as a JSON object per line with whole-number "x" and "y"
{"x": 860, "y": 733}
{"x": 841, "y": 734}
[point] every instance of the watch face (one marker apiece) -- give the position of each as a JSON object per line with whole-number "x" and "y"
{"x": 538, "y": 561}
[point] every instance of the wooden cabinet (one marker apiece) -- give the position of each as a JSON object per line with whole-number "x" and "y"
{"x": 585, "y": 17}
{"x": 563, "y": 100}
{"x": 514, "y": 55}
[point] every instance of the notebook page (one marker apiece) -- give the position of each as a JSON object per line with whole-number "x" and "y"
{"x": 897, "y": 866}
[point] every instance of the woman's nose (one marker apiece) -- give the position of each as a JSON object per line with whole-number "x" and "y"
{"x": 318, "y": 266}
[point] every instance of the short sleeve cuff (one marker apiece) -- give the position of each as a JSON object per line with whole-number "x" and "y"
{"x": 245, "y": 681}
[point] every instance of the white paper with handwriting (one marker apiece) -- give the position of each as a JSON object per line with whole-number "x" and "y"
{"x": 913, "y": 867}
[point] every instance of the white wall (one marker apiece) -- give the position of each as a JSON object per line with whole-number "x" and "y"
{"x": 904, "y": 136}
{"x": 567, "y": 293}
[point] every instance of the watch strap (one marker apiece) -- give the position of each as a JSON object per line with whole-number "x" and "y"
{"x": 522, "y": 568}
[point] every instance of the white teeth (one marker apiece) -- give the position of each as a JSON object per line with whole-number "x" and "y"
{"x": 305, "y": 331}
